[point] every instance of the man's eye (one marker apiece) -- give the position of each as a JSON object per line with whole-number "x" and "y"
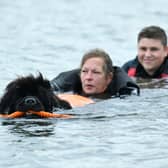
{"x": 154, "y": 49}
{"x": 143, "y": 49}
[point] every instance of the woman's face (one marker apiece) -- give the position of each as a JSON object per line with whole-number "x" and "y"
{"x": 93, "y": 78}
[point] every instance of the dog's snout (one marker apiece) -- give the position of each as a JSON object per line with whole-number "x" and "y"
{"x": 30, "y": 101}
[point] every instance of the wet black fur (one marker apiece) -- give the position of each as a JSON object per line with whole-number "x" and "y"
{"x": 37, "y": 87}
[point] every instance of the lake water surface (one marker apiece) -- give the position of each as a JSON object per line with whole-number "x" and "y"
{"x": 51, "y": 36}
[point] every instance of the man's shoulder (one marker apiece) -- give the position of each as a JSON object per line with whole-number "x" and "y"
{"x": 130, "y": 63}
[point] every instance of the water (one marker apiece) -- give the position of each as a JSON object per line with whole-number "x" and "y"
{"x": 50, "y": 37}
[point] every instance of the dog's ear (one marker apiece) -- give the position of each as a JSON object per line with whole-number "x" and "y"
{"x": 43, "y": 82}
{"x": 8, "y": 98}
{"x": 11, "y": 86}
{"x": 5, "y": 103}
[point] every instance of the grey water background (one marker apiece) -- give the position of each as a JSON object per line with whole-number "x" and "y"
{"x": 51, "y": 36}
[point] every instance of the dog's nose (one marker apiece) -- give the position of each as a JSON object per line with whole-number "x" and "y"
{"x": 30, "y": 101}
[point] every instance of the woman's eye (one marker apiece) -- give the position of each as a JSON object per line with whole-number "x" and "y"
{"x": 96, "y": 72}
{"x": 84, "y": 71}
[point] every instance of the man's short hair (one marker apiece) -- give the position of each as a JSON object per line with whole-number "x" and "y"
{"x": 153, "y": 32}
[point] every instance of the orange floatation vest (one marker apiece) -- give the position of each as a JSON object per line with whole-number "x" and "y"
{"x": 76, "y": 100}
{"x": 73, "y": 99}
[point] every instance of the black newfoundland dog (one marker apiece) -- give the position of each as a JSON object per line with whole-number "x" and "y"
{"x": 30, "y": 93}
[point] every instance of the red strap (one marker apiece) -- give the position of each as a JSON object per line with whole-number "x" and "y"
{"x": 164, "y": 75}
{"x": 132, "y": 72}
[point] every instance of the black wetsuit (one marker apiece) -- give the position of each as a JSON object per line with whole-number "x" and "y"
{"x": 135, "y": 69}
{"x": 119, "y": 86}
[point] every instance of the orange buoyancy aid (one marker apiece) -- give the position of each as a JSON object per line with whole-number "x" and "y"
{"x": 75, "y": 100}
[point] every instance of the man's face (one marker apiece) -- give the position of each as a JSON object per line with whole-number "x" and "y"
{"x": 151, "y": 54}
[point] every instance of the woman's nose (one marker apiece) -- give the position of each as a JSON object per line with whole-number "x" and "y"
{"x": 89, "y": 75}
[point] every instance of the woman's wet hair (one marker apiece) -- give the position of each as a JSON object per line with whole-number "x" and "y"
{"x": 99, "y": 53}
{"x": 153, "y": 32}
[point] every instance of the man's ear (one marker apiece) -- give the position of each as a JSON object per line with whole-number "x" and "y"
{"x": 166, "y": 49}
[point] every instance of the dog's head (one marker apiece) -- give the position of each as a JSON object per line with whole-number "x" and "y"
{"x": 30, "y": 93}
